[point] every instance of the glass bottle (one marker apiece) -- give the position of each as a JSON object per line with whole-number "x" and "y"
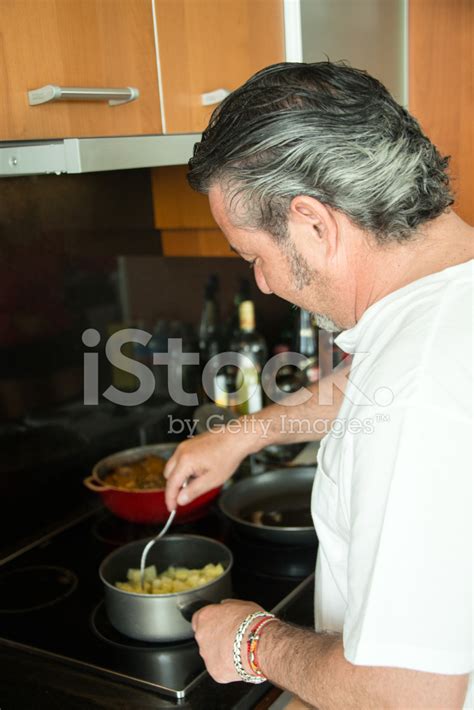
{"x": 209, "y": 326}
{"x": 252, "y": 351}
{"x": 307, "y": 346}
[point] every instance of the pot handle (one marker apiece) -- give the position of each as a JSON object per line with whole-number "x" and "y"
{"x": 187, "y": 610}
{"x": 94, "y": 485}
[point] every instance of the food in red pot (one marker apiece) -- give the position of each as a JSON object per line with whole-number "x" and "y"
{"x": 132, "y": 486}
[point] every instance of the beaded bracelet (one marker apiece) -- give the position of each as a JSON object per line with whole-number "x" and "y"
{"x": 237, "y": 646}
{"x": 252, "y": 644}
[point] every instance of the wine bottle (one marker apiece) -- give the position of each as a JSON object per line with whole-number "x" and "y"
{"x": 210, "y": 336}
{"x": 243, "y": 294}
{"x": 307, "y": 346}
{"x": 209, "y": 327}
{"x": 250, "y": 346}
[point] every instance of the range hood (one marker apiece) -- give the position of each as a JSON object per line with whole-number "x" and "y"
{"x": 371, "y": 36}
{"x": 85, "y": 155}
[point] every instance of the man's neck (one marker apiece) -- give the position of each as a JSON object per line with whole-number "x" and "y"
{"x": 439, "y": 244}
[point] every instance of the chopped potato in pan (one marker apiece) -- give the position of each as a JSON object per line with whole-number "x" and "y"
{"x": 173, "y": 579}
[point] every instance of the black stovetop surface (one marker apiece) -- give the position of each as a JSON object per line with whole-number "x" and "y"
{"x": 51, "y": 598}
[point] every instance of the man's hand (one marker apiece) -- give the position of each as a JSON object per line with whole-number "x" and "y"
{"x": 215, "y": 627}
{"x": 211, "y": 458}
{"x": 208, "y": 460}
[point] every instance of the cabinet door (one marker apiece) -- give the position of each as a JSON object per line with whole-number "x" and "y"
{"x": 184, "y": 217}
{"x": 205, "y": 45}
{"x": 195, "y": 242}
{"x": 175, "y": 204}
{"x": 441, "y": 88}
{"x": 77, "y": 43}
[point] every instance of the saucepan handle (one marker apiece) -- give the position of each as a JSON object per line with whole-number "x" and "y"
{"x": 187, "y": 610}
{"x": 94, "y": 485}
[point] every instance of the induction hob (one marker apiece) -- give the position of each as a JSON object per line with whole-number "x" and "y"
{"x": 51, "y": 598}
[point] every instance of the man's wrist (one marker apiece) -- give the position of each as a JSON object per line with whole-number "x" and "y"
{"x": 246, "y": 435}
{"x": 239, "y": 656}
{"x": 257, "y": 432}
{"x": 266, "y": 626}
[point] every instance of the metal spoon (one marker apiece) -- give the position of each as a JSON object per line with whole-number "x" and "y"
{"x": 150, "y": 544}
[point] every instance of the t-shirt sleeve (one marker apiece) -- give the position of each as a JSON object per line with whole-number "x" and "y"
{"x": 410, "y": 567}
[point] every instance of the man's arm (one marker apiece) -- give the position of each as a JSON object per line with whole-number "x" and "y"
{"x": 290, "y": 421}
{"x": 211, "y": 458}
{"x": 313, "y": 667}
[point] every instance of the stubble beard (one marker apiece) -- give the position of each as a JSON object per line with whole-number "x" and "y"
{"x": 325, "y": 323}
{"x": 303, "y": 276}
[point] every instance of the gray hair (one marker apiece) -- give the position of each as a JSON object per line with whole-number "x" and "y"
{"x": 327, "y": 131}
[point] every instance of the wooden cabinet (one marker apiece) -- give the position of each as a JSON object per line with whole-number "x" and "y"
{"x": 80, "y": 43}
{"x": 175, "y": 204}
{"x": 176, "y": 49}
{"x": 206, "y": 45}
{"x": 441, "y": 64}
{"x": 203, "y": 45}
{"x": 195, "y": 242}
{"x": 183, "y": 216}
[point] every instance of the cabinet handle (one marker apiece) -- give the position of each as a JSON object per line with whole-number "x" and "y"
{"x": 214, "y": 97}
{"x": 51, "y": 93}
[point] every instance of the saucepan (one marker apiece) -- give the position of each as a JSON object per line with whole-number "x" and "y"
{"x": 163, "y": 617}
{"x": 142, "y": 506}
{"x": 273, "y": 506}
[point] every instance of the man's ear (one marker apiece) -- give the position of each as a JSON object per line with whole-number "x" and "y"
{"x": 319, "y": 220}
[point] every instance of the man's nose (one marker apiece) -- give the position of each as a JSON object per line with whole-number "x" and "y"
{"x": 260, "y": 280}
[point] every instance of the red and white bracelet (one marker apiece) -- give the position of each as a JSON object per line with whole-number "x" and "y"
{"x": 252, "y": 643}
{"x": 258, "y": 677}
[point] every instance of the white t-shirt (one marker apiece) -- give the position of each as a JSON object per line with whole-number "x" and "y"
{"x": 392, "y": 499}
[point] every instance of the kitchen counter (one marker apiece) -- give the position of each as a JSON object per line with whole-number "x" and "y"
{"x": 30, "y": 682}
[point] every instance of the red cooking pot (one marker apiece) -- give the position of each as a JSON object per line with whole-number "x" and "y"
{"x": 143, "y": 506}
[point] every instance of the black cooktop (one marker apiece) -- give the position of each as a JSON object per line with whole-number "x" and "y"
{"x": 51, "y": 598}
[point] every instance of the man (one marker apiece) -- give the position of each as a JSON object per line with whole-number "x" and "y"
{"x": 341, "y": 205}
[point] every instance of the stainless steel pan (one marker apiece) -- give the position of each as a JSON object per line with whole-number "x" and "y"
{"x": 273, "y": 506}
{"x": 163, "y": 617}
